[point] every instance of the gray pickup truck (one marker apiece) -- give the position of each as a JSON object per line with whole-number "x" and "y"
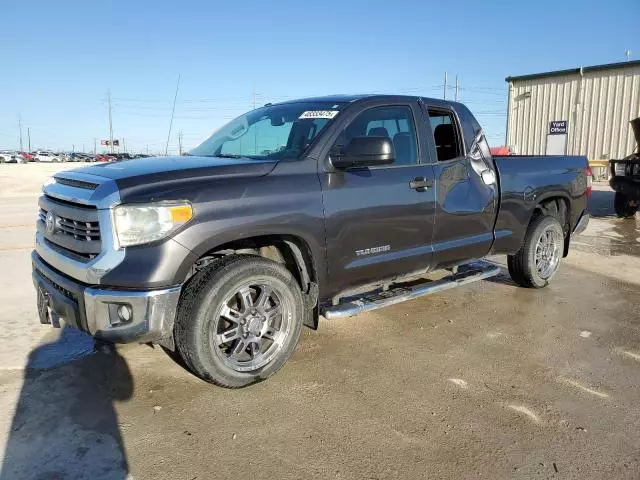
{"x": 326, "y": 206}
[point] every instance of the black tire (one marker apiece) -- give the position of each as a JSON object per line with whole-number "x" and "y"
{"x": 199, "y": 318}
{"x": 523, "y": 267}
{"x": 622, "y": 206}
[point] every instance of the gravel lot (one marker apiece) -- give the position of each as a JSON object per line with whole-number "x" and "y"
{"x": 491, "y": 381}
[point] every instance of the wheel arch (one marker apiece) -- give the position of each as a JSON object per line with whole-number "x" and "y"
{"x": 558, "y": 206}
{"x": 293, "y": 251}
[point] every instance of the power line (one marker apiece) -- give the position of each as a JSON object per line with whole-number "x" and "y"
{"x": 484, "y": 92}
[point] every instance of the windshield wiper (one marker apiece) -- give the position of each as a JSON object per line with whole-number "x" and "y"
{"x": 227, "y": 155}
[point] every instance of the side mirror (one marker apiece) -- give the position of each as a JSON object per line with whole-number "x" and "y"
{"x": 365, "y": 152}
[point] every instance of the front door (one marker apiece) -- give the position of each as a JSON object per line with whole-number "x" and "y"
{"x": 379, "y": 220}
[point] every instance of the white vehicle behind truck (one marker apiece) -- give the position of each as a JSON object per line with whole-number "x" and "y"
{"x": 44, "y": 156}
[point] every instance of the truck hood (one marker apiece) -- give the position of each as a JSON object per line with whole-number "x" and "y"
{"x": 147, "y": 179}
{"x": 178, "y": 167}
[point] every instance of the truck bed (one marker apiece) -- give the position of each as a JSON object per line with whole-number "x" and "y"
{"x": 527, "y": 180}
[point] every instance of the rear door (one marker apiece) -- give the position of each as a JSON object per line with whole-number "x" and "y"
{"x": 379, "y": 220}
{"x": 466, "y": 186}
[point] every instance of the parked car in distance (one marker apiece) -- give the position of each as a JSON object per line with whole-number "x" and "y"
{"x": 11, "y": 156}
{"x": 78, "y": 157}
{"x": 105, "y": 157}
{"x": 46, "y": 156}
{"x": 28, "y": 156}
{"x": 327, "y": 206}
{"x": 625, "y": 179}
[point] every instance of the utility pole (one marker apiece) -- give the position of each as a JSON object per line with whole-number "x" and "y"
{"x": 20, "y": 128}
{"x": 94, "y": 146}
{"x": 457, "y": 88}
{"x": 83, "y": 148}
{"x": 628, "y": 55}
{"x": 124, "y": 147}
{"x": 73, "y": 148}
{"x": 175, "y": 97}
{"x": 254, "y": 98}
{"x": 29, "y": 137}
{"x": 110, "y": 123}
{"x": 180, "y": 142}
{"x": 444, "y": 92}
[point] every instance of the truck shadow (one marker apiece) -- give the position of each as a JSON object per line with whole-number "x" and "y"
{"x": 502, "y": 278}
{"x": 601, "y": 204}
{"x": 65, "y": 424}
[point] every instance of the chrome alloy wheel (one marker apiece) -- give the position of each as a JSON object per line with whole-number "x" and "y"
{"x": 548, "y": 251}
{"x": 253, "y": 324}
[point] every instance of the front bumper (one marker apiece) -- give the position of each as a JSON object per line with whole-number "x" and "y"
{"x": 95, "y": 310}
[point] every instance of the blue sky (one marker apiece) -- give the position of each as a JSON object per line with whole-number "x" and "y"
{"x": 59, "y": 59}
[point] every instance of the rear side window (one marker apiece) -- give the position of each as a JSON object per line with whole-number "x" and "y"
{"x": 445, "y": 134}
{"x": 395, "y": 123}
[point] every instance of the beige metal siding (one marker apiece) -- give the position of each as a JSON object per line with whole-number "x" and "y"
{"x": 597, "y": 106}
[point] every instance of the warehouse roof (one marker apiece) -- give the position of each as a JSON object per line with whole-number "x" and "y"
{"x": 593, "y": 68}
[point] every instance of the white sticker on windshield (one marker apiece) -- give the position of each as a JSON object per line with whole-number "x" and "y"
{"x": 319, "y": 114}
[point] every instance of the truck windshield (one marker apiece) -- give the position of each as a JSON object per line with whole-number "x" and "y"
{"x": 272, "y": 132}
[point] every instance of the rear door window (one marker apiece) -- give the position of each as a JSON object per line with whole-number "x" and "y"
{"x": 446, "y": 134}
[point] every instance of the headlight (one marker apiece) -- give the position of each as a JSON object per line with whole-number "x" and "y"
{"x": 619, "y": 169}
{"x": 145, "y": 223}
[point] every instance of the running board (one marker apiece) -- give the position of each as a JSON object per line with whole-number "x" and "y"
{"x": 350, "y": 306}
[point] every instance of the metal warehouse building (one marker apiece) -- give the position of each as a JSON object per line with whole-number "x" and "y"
{"x": 582, "y": 111}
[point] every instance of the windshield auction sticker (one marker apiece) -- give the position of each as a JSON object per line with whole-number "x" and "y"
{"x": 319, "y": 114}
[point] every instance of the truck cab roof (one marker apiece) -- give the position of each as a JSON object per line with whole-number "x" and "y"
{"x": 344, "y": 98}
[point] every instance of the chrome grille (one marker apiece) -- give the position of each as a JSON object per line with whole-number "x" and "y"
{"x": 71, "y": 228}
{"x": 79, "y": 230}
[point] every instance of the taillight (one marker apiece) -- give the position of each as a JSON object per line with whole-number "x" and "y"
{"x": 589, "y": 181}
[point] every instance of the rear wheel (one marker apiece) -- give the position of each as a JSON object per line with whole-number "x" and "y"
{"x": 239, "y": 320}
{"x": 538, "y": 259}
{"x": 624, "y": 206}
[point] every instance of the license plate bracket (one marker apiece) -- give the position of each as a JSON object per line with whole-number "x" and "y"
{"x": 46, "y": 313}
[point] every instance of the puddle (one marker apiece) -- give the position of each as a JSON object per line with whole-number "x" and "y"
{"x": 71, "y": 345}
{"x": 610, "y": 237}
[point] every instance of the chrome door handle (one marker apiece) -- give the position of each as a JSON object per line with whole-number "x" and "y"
{"x": 420, "y": 184}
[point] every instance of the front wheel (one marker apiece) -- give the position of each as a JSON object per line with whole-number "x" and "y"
{"x": 538, "y": 259}
{"x": 239, "y": 320}
{"x": 624, "y": 206}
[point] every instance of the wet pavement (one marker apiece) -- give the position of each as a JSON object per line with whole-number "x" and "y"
{"x": 490, "y": 381}
{"x": 608, "y": 235}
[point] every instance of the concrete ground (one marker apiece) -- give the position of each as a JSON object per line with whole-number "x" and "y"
{"x": 490, "y": 381}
